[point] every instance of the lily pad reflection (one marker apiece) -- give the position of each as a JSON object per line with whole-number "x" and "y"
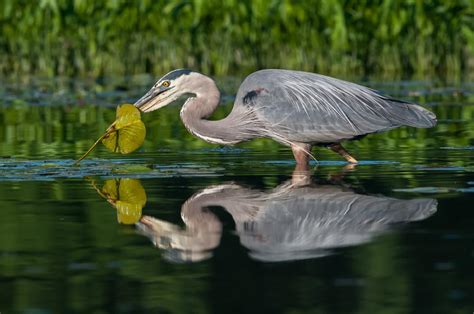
{"x": 127, "y": 196}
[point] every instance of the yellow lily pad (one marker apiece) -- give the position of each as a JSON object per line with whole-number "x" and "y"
{"x": 128, "y": 196}
{"x": 125, "y": 135}
{"x": 125, "y": 115}
{"x": 128, "y": 132}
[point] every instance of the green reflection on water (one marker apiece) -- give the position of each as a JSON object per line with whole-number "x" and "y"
{"x": 67, "y": 131}
{"x": 62, "y": 250}
{"x": 60, "y": 255}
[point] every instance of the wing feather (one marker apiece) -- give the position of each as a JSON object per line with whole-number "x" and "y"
{"x": 308, "y": 107}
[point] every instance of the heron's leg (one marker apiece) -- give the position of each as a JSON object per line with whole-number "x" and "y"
{"x": 301, "y": 152}
{"x": 301, "y": 176}
{"x": 337, "y": 148}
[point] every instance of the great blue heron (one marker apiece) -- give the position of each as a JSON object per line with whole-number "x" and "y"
{"x": 298, "y": 109}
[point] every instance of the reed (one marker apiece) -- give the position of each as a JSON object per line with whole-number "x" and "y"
{"x": 344, "y": 37}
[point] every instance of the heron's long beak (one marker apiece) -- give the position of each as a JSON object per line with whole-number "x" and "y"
{"x": 144, "y": 100}
{"x": 154, "y": 99}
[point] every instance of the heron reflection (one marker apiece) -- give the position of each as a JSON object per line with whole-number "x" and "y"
{"x": 299, "y": 219}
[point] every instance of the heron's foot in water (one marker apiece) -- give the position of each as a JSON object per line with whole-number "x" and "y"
{"x": 337, "y": 148}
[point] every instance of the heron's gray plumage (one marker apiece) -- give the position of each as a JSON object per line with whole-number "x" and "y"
{"x": 173, "y": 75}
{"x": 298, "y": 109}
{"x": 311, "y": 108}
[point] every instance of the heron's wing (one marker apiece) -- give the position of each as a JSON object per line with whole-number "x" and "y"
{"x": 308, "y": 107}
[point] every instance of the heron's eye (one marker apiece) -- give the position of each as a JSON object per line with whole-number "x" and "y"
{"x": 165, "y": 84}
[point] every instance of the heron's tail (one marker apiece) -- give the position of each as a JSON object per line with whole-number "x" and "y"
{"x": 423, "y": 117}
{"x": 410, "y": 114}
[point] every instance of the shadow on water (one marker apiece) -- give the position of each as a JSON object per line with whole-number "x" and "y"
{"x": 298, "y": 219}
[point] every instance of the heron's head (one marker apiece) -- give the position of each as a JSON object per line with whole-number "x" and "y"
{"x": 167, "y": 89}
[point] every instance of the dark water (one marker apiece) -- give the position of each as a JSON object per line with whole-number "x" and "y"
{"x": 230, "y": 229}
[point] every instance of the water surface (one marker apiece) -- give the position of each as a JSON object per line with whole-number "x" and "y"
{"x": 185, "y": 226}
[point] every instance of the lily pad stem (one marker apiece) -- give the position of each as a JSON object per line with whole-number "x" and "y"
{"x": 109, "y": 130}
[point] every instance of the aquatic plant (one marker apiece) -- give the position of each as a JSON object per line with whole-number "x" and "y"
{"x": 343, "y": 37}
{"x": 124, "y": 135}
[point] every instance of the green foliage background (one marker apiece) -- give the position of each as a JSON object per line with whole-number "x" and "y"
{"x": 61, "y": 248}
{"x": 343, "y": 37}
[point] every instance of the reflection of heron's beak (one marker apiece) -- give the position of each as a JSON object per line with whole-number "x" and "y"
{"x": 155, "y": 99}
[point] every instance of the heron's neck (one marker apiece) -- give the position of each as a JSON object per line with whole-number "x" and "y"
{"x": 196, "y": 110}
